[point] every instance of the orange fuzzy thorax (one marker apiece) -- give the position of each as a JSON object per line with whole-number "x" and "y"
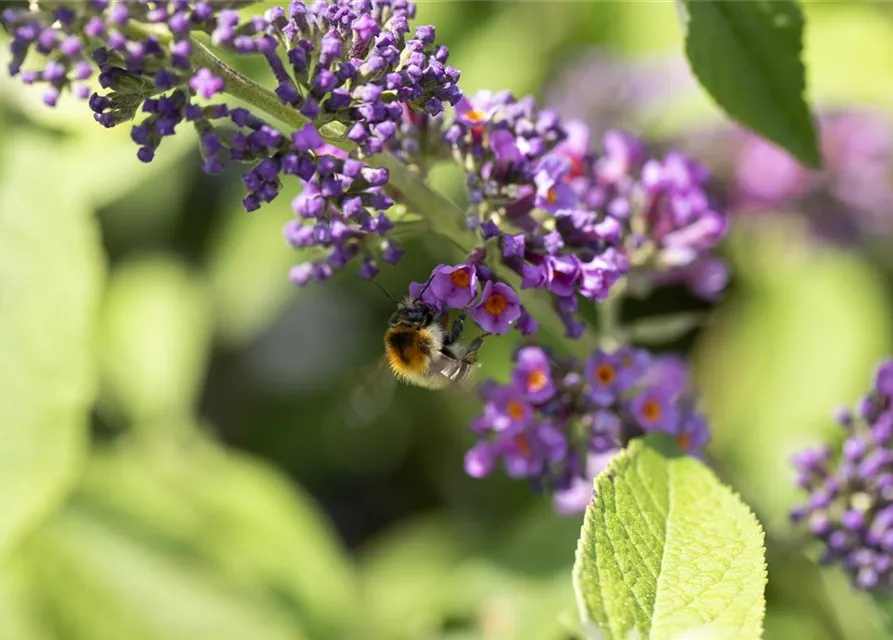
{"x": 409, "y": 352}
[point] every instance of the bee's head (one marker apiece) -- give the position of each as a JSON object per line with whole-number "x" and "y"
{"x": 414, "y": 314}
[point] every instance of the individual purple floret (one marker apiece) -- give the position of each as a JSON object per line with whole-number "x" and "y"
{"x": 558, "y": 423}
{"x": 850, "y": 503}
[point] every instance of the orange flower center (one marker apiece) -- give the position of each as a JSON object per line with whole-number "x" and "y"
{"x": 495, "y": 304}
{"x": 475, "y": 116}
{"x": 576, "y": 167}
{"x": 515, "y": 410}
{"x": 652, "y": 410}
{"x": 460, "y": 278}
{"x": 551, "y": 197}
{"x": 523, "y": 445}
{"x": 605, "y": 373}
{"x": 537, "y": 380}
{"x": 683, "y": 440}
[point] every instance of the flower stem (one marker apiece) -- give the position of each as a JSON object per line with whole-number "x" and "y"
{"x": 446, "y": 218}
{"x": 240, "y": 4}
{"x": 609, "y": 323}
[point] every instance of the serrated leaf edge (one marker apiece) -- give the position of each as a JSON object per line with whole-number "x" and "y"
{"x": 593, "y": 632}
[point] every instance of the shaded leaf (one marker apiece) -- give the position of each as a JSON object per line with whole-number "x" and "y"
{"x": 82, "y": 566}
{"x": 20, "y": 615}
{"x": 248, "y": 267}
{"x": 231, "y": 515}
{"x": 404, "y": 573}
{"x": 51, "y": 271}
{"x": 155, "y": 339}
{"x": 747, "y": 56}
{"x": 662, "y": 329}
{"x": 419, "y": 579}
{"x": 666, "y": 549}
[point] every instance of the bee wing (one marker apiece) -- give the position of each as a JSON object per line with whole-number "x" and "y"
{"x": 370, "y": 396}
{"x": 455, "y": 371}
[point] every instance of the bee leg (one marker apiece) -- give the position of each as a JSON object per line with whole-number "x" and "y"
{"x": 471, "y": 353}
{"x": 455, "y": 328}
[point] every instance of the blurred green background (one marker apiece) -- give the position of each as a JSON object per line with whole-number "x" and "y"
{"x": 176, "y": 460}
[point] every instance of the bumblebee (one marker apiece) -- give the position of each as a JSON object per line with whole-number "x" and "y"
{"x": 419, "y": 350}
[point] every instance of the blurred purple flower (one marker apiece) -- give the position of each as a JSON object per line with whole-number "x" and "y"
{"x": 849, "y": 507}
{"x": 532, "y": 375}
{"x": 568, "y": 412}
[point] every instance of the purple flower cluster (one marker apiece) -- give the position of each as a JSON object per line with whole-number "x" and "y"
{"x": 341, "y": 208}
{"x": 567, "y": 218}
{"x": 127, "y": 41}
{"x": 68, "y": 68}
{"x": 850, "y": 198}
{"x": 850, "y": 504}
{"x": 573, "y": 220}
{"x": 495, "y": 307}
{"x": 349, "y": 61}
{"x": 557, "y": 423}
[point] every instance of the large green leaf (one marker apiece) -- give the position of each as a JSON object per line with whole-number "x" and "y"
{"x": 248, "y": 267}
{"x": 156, "y": 330}
{"x": 747, "y": 56}
{"x": 422, "y": 578}
{"x": 666, "y": 550}
{"x": 91, "y": 581}
{"x": 51, "y": 270}
{"x": 404, "y": 575}
{"x": 20, "y": 618}
{"x": 230, "y": 514}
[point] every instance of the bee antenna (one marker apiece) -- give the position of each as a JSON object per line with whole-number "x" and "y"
{"x": 385, "y": 291}
{"x": 425, "y": 288}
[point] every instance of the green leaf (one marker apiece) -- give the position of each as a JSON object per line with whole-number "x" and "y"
{"x": 404, "y": 572}
{"x": 155, "y": 339}
{"x": 230, "y": 514}
{"x": 51, "y": 270}
{"x": 20, "y": 617}
{"x": 421, "y": 577}
{"x": 666, "y": 549}
{"x": 96, "y": 582}
{"x": 662, "y": 329}
{"x": 248, "y": 268}
{"x": 113, "y": 169}
{"x": 747, "y": 57}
